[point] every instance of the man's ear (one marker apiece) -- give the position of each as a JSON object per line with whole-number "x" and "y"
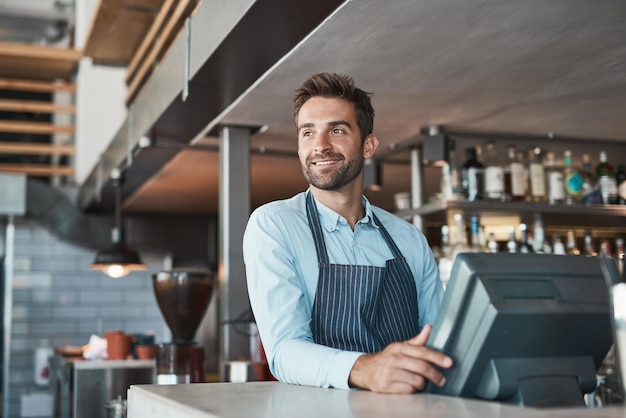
{"x": 370, "y": 146}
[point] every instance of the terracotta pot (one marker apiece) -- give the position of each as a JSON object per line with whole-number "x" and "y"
{"x": 145, "y": 352}
{"x": 118, "y": 346}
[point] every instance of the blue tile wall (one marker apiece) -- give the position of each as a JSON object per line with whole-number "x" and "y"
{"x": 56, "y": 297}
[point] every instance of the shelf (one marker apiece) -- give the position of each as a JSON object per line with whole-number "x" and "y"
{"x": 22, "y": 148}
{"x": 37, "y": 86}
{"x": 555, "y": 215}
{"x": 35, "y": 107}
{"x": 37, "y": 170}
{"x": 35, "y": 62}
{"x": 36, "y": 128}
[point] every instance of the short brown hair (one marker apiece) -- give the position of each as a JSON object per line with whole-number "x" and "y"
{"x": 341, "y": 86}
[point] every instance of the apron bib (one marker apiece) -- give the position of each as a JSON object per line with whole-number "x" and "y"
{"x": 361, "y": 308}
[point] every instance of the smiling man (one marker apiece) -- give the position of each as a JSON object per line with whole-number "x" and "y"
{"x": 342, "y": 291}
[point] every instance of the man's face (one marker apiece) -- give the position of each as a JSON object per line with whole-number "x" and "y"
{"x": 329, "y": 143}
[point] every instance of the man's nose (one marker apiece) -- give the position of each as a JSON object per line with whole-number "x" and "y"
{"x": 322, "y": 142}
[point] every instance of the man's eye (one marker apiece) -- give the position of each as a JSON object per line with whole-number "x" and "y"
{"x": 307, "y": 133}
{"x": 337, "y": 131}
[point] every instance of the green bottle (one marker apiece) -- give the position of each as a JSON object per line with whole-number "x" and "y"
{"x": 606, "y": 178}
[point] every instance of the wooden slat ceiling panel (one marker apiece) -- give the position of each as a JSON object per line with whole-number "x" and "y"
{"x": 33, "y": 62}
{"x": 117, "y": 29}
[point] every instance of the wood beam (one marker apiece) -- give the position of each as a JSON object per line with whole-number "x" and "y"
{"x": 36, "y": 149}
{"x": 35, "y": 106}
{"x": 168, "y": 34}
{"x": 37, "y": 169}
{"x": 37, "y": 128}
{"x": 36, "y": 86}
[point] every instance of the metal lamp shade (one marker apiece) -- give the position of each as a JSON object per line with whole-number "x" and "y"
{"x": 117, "y": 261}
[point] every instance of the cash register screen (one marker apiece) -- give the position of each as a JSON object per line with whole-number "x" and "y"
{"x": 527, "y": 329}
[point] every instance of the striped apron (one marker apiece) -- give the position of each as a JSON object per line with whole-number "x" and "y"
{"x": 361, "y": 308}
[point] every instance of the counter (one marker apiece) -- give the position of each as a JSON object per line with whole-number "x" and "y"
{"x": 82, "y": 387}
{"x": 272, "y": 399}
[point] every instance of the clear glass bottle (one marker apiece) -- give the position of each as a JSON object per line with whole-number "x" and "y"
{"x": 452, "y": 176}
{"x": 554, "y": 177}
{"x": 539, "y": 243}
{"x": 571, "y": 247}
{"x": 572, "y": 180}
{"x": 515, "y": 184}
{"x": 476, "y": 241}
{"x": 589, "y": 248}
{"x": 619, "y": 255}
{"x": 620, "y": 179}
{"x": 606, "y": 178}
{"x": 590, "y": 192}
{"x": 492, "y": 244}
{"x": 473, "y": 176}
{"x": 536, "y": 175}
{"x": 445, "y": 256}
{"x": 511, "y": 244}
{"x": 524, "y": 245}
{"x": 605, "y": 247}
{"x": 557, "y": 245}
{"x": 460, "y": 244}
{"x": 494, "y": 174}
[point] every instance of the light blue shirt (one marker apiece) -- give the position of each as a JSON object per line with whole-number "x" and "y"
{"x": 282, "y": 272}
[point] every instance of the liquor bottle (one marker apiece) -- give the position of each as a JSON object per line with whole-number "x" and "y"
{"x": 460, "y": 244}
{"x": 554, "y": 177}
{"x": 492, "y": 244}
{"x": 452, "y": 176}
{"x": 588, "y": 248}
{"x": 473, "y": 176}
{"x": 605, "y": 247}
{"x": 557, "y": 245}
{"x": 494, "y": 174}
{"x": 536, "y": 175}
{"x": 445, "y": 261}
{"x": 571, "y": 243}
{"x": 515, "y": 184}
{"x": 539, "y": 243}
{"x": 619, "y": 255}
{"x": 620, "y": 179}
{"x": 606, "y": 178}
{"x": 590, "y": 189}
{"x": 511, "y": 244}
{"x": 476, "y": 242}
{"x": 524, "y": 246}
{"x": 572, "y": 180}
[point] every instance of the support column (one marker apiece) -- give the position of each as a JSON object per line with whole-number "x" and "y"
{"x": 417, "y": 186}
{"x": 9, "y": 240}
{"x": 234, "y": 210}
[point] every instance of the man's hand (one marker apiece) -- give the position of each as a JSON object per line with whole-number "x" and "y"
{"x": 402, "y": 367}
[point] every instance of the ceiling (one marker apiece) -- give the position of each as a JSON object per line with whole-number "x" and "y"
{"x": 548, "y": 68}
{"x": 535, "y": 67}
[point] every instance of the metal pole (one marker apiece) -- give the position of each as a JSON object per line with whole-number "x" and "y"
{"x": 9, "y": 238}
{"x": 234, "y": 210}
{"x": 417, "y": 179}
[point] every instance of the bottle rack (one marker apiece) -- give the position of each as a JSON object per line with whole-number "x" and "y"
{"x": 603, "y": 220}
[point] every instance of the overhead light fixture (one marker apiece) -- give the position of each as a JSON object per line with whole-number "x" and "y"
{"x": 119, "y": 259}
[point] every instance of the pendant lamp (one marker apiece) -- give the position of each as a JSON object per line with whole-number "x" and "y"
{"x": 119, "y": 259}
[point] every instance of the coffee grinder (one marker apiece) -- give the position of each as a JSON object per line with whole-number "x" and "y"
{"x": 183, "y": 297}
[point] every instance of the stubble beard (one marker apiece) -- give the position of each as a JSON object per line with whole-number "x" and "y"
{"x": 335, "y": 179}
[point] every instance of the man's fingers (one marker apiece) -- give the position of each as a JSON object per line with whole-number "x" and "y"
{"x": 422, "y": 337}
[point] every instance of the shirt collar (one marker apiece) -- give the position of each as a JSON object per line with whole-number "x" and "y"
{"x": 331, "y": 220}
